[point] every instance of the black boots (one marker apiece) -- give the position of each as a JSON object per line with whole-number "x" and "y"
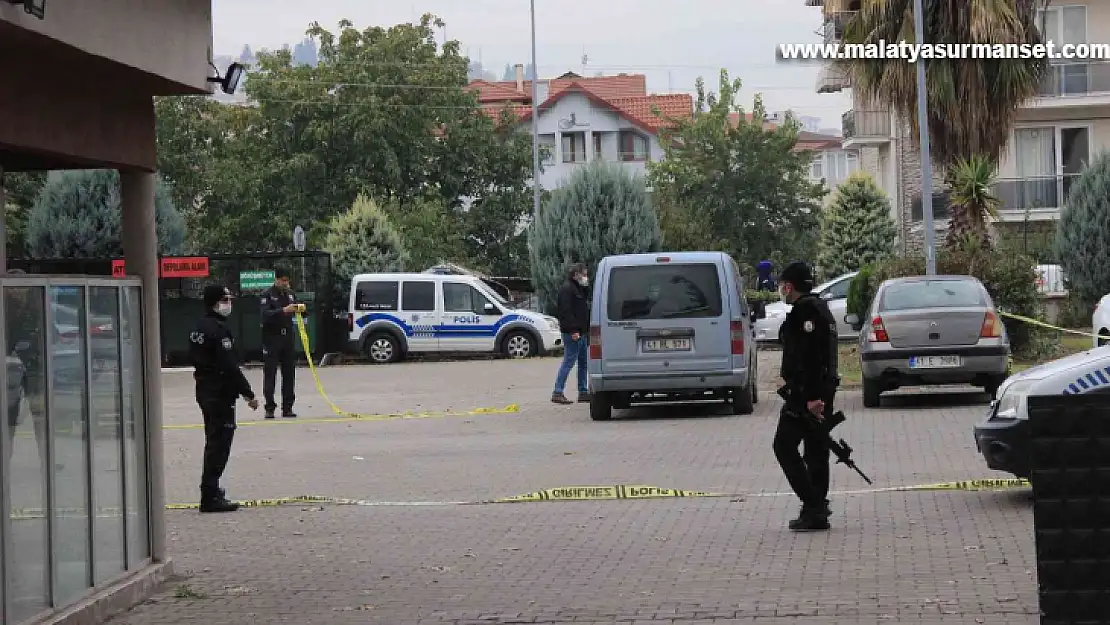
{"x": 217, "y": 502}
{"x": 812, "y": 519}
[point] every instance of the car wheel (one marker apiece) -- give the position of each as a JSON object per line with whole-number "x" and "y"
{"x": 601, "y": 407}
{"x": 622, "y": 401}
{"x": 519, "y": 345}
{"x": 383, "y": 348}
{"x": 743, "y": 398}
{"x": 871, "y": 393}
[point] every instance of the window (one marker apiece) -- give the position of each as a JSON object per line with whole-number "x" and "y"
{"x": 419, "y": 297}
{"x": 1065, "y": 25}
{"x": 574, "y": 147}
{"x": 837, "y": 290}
{"x": 817, "y": 167}
{"x": 597, "y": 145}
{"x": 1048, "y": 160}
{"x": 941, "y": 207}
{"x": 376, "y": 296}
{"x": 547, "y": 149}
{"x": 932, "y": 294}
{"x": 459, "y": 297}
{"x": 634, "y": 146}
{"x": 853, "y": 163}
{"x": 681, "y": 291}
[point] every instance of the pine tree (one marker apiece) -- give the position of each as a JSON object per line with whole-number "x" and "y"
{"x": 77, "y": 214}
{"x": 362, "y": 240}
{"x": 601, "y": 210}
{"x": 856, "y": 229}
{"x": 1083, "y": 232}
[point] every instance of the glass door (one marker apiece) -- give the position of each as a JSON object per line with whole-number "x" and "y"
{"x": 1075, "y": 153}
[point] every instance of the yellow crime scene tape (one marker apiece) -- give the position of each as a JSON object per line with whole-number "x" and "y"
{"x": 607, "y": 492}
{"x": 343, "y": 416}
{"x": 1042, "y": 324}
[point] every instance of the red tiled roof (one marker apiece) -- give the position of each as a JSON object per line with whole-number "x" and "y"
{"x": 815, "y": 141}
{"x": 619, "y": 86}
{"x": 638, "y": 109}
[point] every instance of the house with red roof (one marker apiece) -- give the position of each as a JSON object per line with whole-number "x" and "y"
{"x": 582, "y": 119}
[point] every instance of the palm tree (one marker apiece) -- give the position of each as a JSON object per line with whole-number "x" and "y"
{"x": 972, "y": 102}
{"x": 973, "y": 202}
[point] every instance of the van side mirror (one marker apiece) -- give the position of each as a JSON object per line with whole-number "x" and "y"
{"x": 854, "y": 321}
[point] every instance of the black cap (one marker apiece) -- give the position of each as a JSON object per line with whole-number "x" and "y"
{"x": 213, "y": 293}
{"x": 281, "y": 273}
{"x": 798, "y": 274}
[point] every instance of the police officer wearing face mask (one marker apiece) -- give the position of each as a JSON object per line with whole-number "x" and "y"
{"x": 220, "y": 382}
{"x": 279, "y": 306}
{"x": 809, "y": 372}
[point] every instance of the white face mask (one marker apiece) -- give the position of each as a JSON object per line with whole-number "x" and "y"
{"x": 584, "y": 281}
{"x": 223, "y": 309}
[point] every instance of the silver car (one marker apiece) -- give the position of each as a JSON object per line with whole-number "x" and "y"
{"x": 931, "y": 330}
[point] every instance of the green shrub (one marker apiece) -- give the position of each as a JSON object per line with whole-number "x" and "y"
{"x": 766, "y": 297}
{"x": 858, "y": 299}
{"x": 856, "y": 229}
{"x": 362, "y": 240}
{"x": 1083, "y": 233}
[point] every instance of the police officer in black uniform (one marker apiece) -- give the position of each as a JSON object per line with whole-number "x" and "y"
{"x": 220, "y": 382}
{"x": 809, "y": 372}
{"x": 278, "y": 335}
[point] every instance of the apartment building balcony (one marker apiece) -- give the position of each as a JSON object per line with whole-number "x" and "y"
{"x": 865, "y": 128}
{"x": 835, "y": 23}
{"x": 1083, "y": 83}
{"x": 1033, "y": 198}
{"x": 831, "y": 79}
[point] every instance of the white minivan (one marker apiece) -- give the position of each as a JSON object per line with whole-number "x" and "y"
{"x": 393, "y": 314}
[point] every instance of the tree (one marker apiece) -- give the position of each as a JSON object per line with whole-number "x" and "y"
{"x": 600, "y": 211}
{"x": 972, "y": 103}
{"x": 1083, "y": 232}
{"x": 77, "y": 215}
{"x": 971, "y": 182}
{"x": 362, "y": 240}
{"x": 856, "y": 229}
{"x": 20, "y": 190}
{"x": 735, "y": 186}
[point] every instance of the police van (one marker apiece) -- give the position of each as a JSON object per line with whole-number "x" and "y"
{"x": 393, "y": 314}
{"x": 1003, "y": 437}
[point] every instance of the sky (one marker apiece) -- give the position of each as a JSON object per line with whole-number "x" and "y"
{"x": 672, "y": 42}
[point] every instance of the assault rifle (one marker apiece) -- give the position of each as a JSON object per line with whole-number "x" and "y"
{"x": 839, "y": 448}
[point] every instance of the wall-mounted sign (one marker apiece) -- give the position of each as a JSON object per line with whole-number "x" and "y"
{"x": 255, "y": 280}
{"x": 180, "y": 267}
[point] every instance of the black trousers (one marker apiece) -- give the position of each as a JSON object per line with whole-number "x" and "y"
{"x": 279, "y": 352}
{"x": 807, "y": 474}
{"x": 219, "y": 431}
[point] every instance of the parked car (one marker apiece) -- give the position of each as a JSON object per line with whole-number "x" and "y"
{"x": 1003, "y": 437}
{"x": 1100, "y": 321}
{"x": 670, "y": 326}
{"x": 393, "y": 314}
{"x": 931, "y": 330}
{"x": 835, "y": 292}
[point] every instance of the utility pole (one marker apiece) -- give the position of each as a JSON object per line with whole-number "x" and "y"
{"x": 536, "y": 123}
{"x": 926, "y": 161}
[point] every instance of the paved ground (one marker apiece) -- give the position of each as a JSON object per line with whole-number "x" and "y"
{"x": 922, "y": 557}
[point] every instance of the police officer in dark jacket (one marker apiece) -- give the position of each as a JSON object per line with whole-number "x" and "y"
{"x": 278, "y": 335}
{"x": 572, "y": 309}
{"x": 809, "y": 371}
{"x": 220, "y": 382}
{"x": 26, "y": 318}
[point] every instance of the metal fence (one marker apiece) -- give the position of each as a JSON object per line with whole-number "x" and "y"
{"x": 247, "y": 275}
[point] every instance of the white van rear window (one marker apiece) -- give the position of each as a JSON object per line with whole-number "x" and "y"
{"x": 678, "y": 291}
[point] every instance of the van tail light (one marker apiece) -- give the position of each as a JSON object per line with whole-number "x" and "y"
{"x": 878, "y": 331}
{"x": 737, "y": 328}
{"x": 595, "y": 342}
{"x": 350, "y": 322}
{"x": 992, "y": 326}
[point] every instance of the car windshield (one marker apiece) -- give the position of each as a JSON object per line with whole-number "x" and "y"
{"x": 664, "y": 292}
{"x": 931, "y": 294}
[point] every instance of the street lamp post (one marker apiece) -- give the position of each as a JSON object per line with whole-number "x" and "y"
{"x": 926, "y": 161}
{"x": 535, "y": 124}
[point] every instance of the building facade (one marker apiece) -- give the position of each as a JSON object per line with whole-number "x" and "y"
{"x": 582, "y": 119}
{"x": 1056, "y": 134}
{"x": 82, "y": 533}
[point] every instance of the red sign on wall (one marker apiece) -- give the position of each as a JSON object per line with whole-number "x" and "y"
{"x": 181, "y": 267}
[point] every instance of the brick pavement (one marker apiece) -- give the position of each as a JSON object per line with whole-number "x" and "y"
{"x": 948, "y": 557}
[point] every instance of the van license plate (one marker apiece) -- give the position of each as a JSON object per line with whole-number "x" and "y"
{"x": 667, "y": 345}
{"x": 934, "y": 362}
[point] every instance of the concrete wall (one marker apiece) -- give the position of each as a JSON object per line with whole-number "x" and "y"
{"x": 170, "y": 39}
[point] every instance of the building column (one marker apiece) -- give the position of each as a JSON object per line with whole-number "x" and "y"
{"x": 140, "y": 250}
{"x": 589, "y": 146}
{"x": 558, "y": 151}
